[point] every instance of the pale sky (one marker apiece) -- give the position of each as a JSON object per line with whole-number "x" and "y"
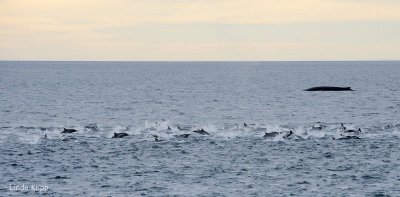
{"x": 195, "y": 30}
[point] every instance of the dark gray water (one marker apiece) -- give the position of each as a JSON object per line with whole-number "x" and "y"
{"x": 143, "y": 99}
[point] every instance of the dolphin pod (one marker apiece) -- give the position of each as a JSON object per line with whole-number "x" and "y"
{"x": 329, "y": 88}
{"x": 346, "y": 133}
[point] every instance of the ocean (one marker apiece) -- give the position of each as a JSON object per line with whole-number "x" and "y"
{"x": 235, "y": 103}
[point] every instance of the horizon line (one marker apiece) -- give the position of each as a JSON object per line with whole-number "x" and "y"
{"x": 199, "y": 60}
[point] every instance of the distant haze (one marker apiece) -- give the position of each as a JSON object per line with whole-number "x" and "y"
{"x": 199, "y": 30}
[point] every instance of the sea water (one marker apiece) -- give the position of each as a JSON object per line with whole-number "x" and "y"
{"x": 167, "y": 99}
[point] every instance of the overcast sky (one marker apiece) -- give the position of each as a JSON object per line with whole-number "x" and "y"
{"x": 199, "y": 30}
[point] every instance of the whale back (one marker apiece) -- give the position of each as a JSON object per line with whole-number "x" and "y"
{"x": 329, "y": 88}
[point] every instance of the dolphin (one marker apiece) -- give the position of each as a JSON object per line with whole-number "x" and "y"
{"x": 271, "y": 134}
{"x": 69, "y": 130}
{"x": 182, "y": 136}
{"x": 156, "y": 138}
{"x": 91, "y": 127}
{"x": 349, "y": 130}
{"x": 183, "y": 128}
{"x": 119, "y": 135}
{"x": 342, "y": 125}
{"x": 289, "y": 134}
{"x": 329, "y": 88}
{"x": 349, "y": 138}
{"x": 68, "y": 139}
{"x": 352, "y": 130}
{"x": 274, "y": 134}
{"x": 201, "y": 131}
{"x": 318, "y": 127}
